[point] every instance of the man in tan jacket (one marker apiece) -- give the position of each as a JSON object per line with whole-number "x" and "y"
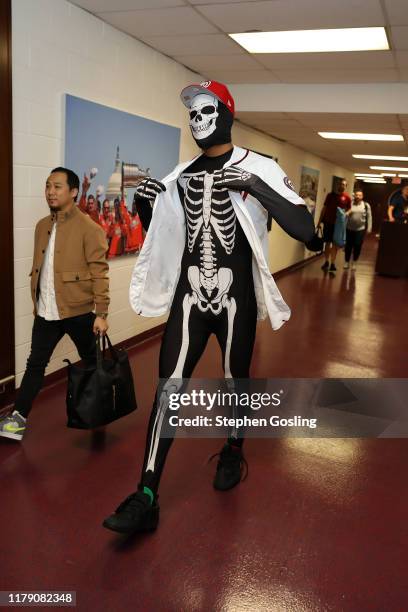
{"x": 69, "y": 281}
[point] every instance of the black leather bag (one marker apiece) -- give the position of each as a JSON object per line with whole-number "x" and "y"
{"x": 98, "y": 396}
{"x": 316, "y": 243}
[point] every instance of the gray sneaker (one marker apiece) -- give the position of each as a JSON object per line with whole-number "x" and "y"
{"x": 13, "y": 426}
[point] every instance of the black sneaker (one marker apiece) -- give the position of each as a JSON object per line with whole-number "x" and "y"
{"x": 229, "y": 468}
{"x": 325, "y": 266}
{"x": 134, "y": 514}
{"x": 333, "y": 269}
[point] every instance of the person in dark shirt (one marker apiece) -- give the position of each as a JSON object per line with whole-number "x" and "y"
{"x": 398, "y": 204}
{"x": 328, "y": 217}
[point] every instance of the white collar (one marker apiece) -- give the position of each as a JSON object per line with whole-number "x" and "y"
{"x": 237, "y": 154}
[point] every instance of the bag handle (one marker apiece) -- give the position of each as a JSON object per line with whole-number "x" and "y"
{"x": 99, "y": 355}
{"x": 100, "y": 352}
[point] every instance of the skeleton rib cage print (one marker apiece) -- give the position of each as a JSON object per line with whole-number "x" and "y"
{"x": 209, "y": 214}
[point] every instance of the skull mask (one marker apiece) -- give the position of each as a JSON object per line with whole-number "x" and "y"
{"x": 203, "y": 115}
{"x": 210, "y": 121}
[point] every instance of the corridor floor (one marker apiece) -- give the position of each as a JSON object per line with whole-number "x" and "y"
{"x": 318, "y": 525}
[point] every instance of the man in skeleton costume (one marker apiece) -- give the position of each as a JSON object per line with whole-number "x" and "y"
{"x": 205, "y": 258}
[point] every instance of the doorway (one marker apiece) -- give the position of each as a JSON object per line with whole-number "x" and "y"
{"x": 7, "y": 363}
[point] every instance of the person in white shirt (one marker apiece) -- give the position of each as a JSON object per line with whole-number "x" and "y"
{"x": 359, "y": 223}
{"x": 69, "y": 280}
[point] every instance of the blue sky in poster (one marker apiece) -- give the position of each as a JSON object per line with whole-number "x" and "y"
{"x": 93, "y": 131}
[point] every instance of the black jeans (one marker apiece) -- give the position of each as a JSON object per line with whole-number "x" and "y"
{"x": 45, "y": 337}
{"x": 354, "y": 242}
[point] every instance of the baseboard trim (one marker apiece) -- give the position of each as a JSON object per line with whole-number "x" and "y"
{"x": 134, "y": 341}
{"x": 296, "y": 266}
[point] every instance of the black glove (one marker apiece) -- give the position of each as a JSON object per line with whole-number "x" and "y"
{"x": 294, "y": 219}
{"x": 149, "y": 189}
{"x": 235, "y": 179}
{"x": 145, "y": 195}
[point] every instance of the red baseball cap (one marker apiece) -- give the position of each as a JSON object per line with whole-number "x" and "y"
{"x": 218, "y": 90}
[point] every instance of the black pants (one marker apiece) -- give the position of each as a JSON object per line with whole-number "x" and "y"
{"x": 201, "y": 326}
{"x": 354, "y": 242}
{"x": 45, "y": 337}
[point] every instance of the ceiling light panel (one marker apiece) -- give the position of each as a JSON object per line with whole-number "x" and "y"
{"x": 314, "y": 41}
{"x": 358, "y": 136}
{"x": 368, "y": 174}
{"x": 390, "y": 168}
{"x": 383, "y": 157}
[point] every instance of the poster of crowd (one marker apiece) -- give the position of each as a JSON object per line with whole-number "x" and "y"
{"x": 112, "y": 151}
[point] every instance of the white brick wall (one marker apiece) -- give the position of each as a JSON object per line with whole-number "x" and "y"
{"x": 58, "y": 49}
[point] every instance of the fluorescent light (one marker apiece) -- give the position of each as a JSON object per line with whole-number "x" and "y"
{"x": 357, "y": 136}
{"x": 366, "y": 175}
{"x": 403, "y": 175}
{"x": 379, "y": 181}
{"x": 388, "y": 168}
{"x": 314, "y": 41}
{"x": 388, "y": 174}
{"x": 383, "y": 157}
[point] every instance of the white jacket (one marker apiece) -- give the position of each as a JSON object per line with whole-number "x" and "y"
{"x": 157, "y": 269}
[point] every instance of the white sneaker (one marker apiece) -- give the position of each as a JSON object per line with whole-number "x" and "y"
{"x": 13, "y": 426}
{"x": 354, "y": 266}
{"x": 346, "y": 266}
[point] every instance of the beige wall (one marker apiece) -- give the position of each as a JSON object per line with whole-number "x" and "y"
{"x": 58, "y": 49}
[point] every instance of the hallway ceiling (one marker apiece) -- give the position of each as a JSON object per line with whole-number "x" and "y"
{"x": 195, "y": 34}
{"x": 300, "y": 130}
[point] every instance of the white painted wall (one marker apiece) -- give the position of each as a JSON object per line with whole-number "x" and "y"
{"x": 58, "y": 49}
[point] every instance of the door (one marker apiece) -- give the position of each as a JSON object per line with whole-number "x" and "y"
{"x": 6, "y": 211}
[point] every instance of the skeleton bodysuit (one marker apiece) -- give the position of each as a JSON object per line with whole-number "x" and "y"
{"x": 215, "y": 291}
{"x": 215, "y": 294}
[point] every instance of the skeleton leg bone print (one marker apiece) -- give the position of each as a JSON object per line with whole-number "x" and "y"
{"x": 209, "y": 213}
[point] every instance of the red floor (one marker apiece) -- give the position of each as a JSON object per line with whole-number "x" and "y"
{"x": 319, "y": 525}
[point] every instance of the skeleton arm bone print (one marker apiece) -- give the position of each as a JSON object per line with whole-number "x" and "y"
{"x": 295, "y": 220}
{"x": 145, "y": 195}
{"x": 149, "y": 188}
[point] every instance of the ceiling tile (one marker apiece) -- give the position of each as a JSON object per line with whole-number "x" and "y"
{"x": 404, "y": 74}
{"x": 321, "y": 61}
{"x": 388, "y": 75}
{"x": 166, "y": 22}
{"x": 402, "y": 57}
{"x": 313, "y": 118}
{"x": 397, "y": 12}
{"x": 98, "y": 6}
{"x": 200, "y": 44}
{"x": 197, "y": 2}
{"x": 399, "y": 37}
{"x": 293, "y": 14}
{"x": 252, "y": 115}
{"x": 204, "y": 63}
{"x": 243, "y": 76}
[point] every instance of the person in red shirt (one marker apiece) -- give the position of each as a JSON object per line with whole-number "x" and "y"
{"x": 105, "y": 218}
{"x": 88, "y": 205}
{"x": 124, "y": 213}
{"x": 117, "y": 233}
{"x": 333, "y": 200}
{"x": 135, "y": 236}
{"x": 92, "y": 208}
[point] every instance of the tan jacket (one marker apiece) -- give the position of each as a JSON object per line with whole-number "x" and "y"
{"x": 80, "y": 267}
